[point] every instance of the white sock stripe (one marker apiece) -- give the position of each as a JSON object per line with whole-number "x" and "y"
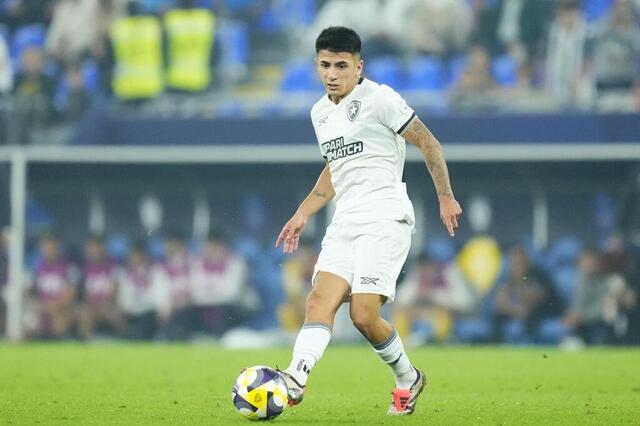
{"x": 387, "y": 342}
{"x": 323, "y": 325}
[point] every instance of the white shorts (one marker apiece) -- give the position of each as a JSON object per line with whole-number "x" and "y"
{"x": 368, "y": 256}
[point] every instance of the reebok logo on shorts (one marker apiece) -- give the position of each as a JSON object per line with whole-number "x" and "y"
{"x": 369, "y": 281}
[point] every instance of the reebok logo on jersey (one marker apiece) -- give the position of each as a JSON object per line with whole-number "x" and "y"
{"x": 337, "y": 149}
{"x": 322, "y": 121}
{"x": 353, "y": 109}
{"x": 369, "y": 281}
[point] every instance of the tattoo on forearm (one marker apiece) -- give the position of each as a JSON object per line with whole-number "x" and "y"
{"x": 320, "y": 194}
{"x": 431, "y": 149}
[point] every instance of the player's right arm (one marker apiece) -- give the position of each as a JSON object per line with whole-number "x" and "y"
{"x": 320, "y": 195}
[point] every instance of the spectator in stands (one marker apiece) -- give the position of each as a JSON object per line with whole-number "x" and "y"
{"x": 430, "y": 299}
{"x": 520, "y": 26}
{"x": 616, "y": 50}
{"x": 567, "y": 71}
{"x": 476, "y": 88}
{"x": 618, "y": 259}
{"x": 77, "y": 100}
{"x": 6, "y": 84}
{"x": 6, "y": 72}
{"x": 18, "y": 13}
{"x": 437, "y": 27}
{"x": 297, "y": 277}
{"x": 595, "y": 307}
{"x": 137, "y": 296}
{"x": 74, "y": 29}
{"x": 171, "y": 277}
{"x": 485, "y": 14}
{"x": 33, "y": 92}
{"x": 526, "y": 297}
{"x": 248, "y": 11}
{"x": 101, "y": 50}
{"x": 54, "y": 290}
{"x": 99, "y": 291}
{"x": 218, "y": 286}
{"x": 365, "y": 22}
{"x": 155, "y": 7}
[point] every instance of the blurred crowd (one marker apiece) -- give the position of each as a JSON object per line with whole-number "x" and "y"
{"x": 58, "y": 57}
{"x": 568, "y": 295}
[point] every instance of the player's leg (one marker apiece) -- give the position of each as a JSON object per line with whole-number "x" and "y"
{"x": 87, "y": 315}
{"x": 328, "y": 293}
{"x": 114, "y": 317}
{"x": 365, "y": 314}
{"x": 381, "y": 250}
{"x": 62, "y": 320}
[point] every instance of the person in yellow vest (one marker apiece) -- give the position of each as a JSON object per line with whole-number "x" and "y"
{"x": 190, "y": 37}
{"x": 137, "y": 46}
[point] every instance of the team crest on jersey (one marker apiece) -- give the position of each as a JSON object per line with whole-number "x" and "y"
{"x": 353, "y": 109}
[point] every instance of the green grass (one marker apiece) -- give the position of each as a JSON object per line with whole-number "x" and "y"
{"x": 183, "y": 384}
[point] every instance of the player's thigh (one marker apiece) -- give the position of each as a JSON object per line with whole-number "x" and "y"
{"x": 381, "y": 250}
{"x": 337, "y": 253}
{"x": 328, "y": 293}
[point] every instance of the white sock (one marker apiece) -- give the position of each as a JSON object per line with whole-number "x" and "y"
{"x": 310, "y": 344}
{"x": 392, "y": 352}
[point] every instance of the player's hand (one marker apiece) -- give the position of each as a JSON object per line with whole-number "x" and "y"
{"x": 290, "y": 234}
{"x": 450, "y": 212}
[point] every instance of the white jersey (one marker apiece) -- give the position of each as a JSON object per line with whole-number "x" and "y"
{"x": 359, "y": 139}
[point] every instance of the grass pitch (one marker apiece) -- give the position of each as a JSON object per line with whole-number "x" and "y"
{"x": 191, "y": 385}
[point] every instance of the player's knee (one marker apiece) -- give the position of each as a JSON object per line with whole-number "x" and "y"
{"x": 363, "y": 317}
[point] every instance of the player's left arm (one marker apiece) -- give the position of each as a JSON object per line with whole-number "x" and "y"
{"x": 419, "y": 135}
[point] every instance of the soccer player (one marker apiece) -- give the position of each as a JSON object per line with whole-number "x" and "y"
{"x": 100, "y": 289}
{"x": 361, "y": 127}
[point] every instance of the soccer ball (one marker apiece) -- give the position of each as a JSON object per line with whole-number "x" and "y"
{"x": 259, "y": 393}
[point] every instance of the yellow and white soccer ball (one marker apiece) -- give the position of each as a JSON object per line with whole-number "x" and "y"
{"x": 259, "y": 393}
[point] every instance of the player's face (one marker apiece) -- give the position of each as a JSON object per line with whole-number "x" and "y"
{"x": 339, "y": 72}
{"x": 50, "y": 249}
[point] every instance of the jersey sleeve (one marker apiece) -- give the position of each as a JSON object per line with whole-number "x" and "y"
{"x": 391, "y": 110}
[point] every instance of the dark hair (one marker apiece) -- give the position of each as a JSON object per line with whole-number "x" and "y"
{"x": 338, "y": 39}
{"x": 96, "y": 238}
{"x": 175, "y": 235}
{"x": 217, "y": 236}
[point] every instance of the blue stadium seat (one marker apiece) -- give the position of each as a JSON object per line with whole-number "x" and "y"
{"x": 385, "y": 70}
{"x": 594, "y": 10}
{"x": 4, "y": 33}
{"x": 440, "y": 249}
{"x": 91, "y": 76}
{"x": 27, "y": 36}
{"x": 564, "y": 278}
{"x": 456, "y": 66}
{"x": 118, "y": 247}
{"x": 472, "y": 330}
{"x": 286, "y": 14}
{"x": 514, "y": 332}
{"x": 155, "y": 248}
{"x": 426, "y": 73}
{"x": 504, "y": 70}
{"x": 564, "y": 251}
{"x": 551, "y": 331}
{"x": 300, "y": 76}
{"x": 233, "y": 36}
